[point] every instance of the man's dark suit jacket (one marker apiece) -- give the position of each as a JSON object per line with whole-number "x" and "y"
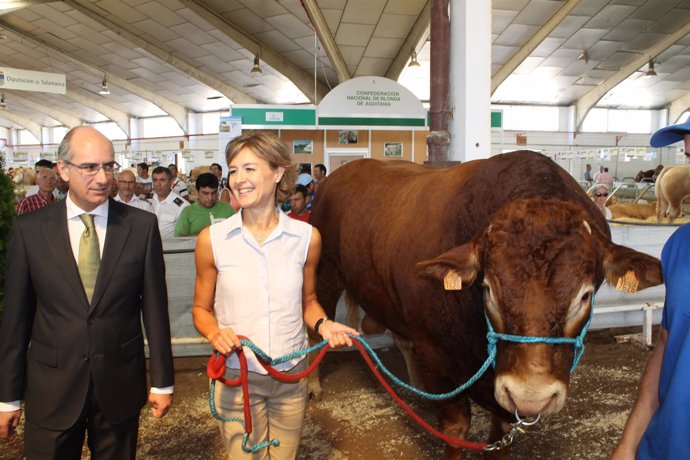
{"x": 52, "y": 342}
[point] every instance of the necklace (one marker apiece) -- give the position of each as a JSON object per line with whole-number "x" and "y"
{"x": 260, "y": 237}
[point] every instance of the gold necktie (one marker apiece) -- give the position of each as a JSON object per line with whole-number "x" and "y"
{"x": 89, "y": 256}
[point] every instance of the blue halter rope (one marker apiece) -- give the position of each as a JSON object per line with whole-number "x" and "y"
{"x": 578, "y": 342}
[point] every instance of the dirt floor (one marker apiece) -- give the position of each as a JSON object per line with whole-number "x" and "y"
{"x": 357, "y": 420}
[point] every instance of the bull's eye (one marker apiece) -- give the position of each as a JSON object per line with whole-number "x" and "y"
{"x": 585, "y": 296}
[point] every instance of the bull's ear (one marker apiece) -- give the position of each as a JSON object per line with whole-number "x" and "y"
{"x": 630, "y": 271}
{"x": 455, "y": 268}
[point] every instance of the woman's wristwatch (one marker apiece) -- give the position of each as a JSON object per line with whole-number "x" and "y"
{"x": 319, "y": 322}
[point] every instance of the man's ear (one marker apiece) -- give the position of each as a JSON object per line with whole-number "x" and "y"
{"x": 455, "y": 268}
{"x": 62, "y": 170}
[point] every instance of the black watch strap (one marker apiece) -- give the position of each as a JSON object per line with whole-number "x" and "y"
{"x": 318, "y": 323}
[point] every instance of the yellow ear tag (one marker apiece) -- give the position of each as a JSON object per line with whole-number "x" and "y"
{"x": 628, "y": 282}
{"x": 452, "y": 281}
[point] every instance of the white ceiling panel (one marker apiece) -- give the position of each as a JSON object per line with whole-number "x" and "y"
{"x": 369, "y": 35}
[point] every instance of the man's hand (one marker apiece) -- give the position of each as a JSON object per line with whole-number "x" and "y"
{"x": 8, "y": 424}
{"x": 160, "y": 403}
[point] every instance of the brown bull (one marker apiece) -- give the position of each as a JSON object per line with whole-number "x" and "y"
{"x": 427, "y": 252}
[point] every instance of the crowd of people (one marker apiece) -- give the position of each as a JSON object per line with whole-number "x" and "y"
{"x": 165, "y": 194}
{"x": 72, "y": 333}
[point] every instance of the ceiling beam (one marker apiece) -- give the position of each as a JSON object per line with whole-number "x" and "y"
{"x": 587, "y": 101}
{"x": 120, "y": 118}
{"x": 678, "y": 108}
{"x": 124, "y": 33}
{"x": 68, "y": 120}
{"x": 531, "y": 44}
{"x": 301, "y": 79}
{"x": 419, "y": 29}
{"x": 326, "y": 38}
{"x": 175, "y": 110}
{"x": 31, "y": 126}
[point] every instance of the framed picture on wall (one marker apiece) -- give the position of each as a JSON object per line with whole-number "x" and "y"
{"x": 302, "y": 147}
{"x": 393, "y": 149}
{"x": 347, "y": 137}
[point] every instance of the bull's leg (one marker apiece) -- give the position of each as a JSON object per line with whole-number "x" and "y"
{"x": 455, "y": 418}
{"x": 661, "y": 208}
{"x": 406, "y": 348}
{"x": 328, "y": 290}
{"x": 673, "y": 211}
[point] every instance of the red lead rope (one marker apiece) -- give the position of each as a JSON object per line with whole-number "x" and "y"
{"x": 216, "y": 371}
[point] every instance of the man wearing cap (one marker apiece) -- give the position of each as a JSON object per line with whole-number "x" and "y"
{"x": 306, "y": 180}
{"x": 658, "y": 424}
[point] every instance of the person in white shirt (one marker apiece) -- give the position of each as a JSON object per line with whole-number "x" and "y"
{"x": 126, "y": 182}
{"x": 256, "y": 276}
{"x": 144, "y": 180}
{"x": 178, "y": 185}
{"x": 167, "y": 205}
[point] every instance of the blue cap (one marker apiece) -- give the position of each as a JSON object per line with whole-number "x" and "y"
{"x": 304, "y": 179}
{"x": 670, "y": 134}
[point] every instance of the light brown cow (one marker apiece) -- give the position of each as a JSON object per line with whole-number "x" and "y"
{"x": 23, "y": 176}
{"x": 429, "y": 252}
{"x": 672, "y": 187}
{"x": 632, "y": 210}
{"x": 194, "y": 173}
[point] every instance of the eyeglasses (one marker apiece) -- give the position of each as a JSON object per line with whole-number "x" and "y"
{"x": 91, "y": 169}
{"x": 599, "y": 195}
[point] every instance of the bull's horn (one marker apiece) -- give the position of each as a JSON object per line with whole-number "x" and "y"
{"x": 589, "y": 229}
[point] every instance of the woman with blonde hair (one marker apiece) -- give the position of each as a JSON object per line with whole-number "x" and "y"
{"x": 256, "y": 277}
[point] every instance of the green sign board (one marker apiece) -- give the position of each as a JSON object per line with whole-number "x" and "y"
{"x": 275, "y": 116}
{"x": 497, "y": 119}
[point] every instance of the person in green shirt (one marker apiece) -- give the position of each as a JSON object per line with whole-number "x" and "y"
{"x": 206, "y": 210}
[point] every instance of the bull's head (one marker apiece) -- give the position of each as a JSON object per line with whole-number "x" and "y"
{"x": 540, "y": 263}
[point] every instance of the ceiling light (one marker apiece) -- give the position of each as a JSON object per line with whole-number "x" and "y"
{"x": 413, "y": 59}
{"x": 104, "y": 86}
{"x": 3, "y": 106}
{"x": 584, "y": 56}
{"x": 651, "y": 72}
{"x": 256, "y": 70}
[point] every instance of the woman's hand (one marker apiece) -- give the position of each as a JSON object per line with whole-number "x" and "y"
{"x": 336, "y": 334}
{"x": 224, "y": 341}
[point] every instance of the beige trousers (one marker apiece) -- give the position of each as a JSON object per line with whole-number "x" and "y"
{"x": 277, "y": 413}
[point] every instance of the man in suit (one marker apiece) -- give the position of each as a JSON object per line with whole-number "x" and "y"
{"x": 81, "y": 275}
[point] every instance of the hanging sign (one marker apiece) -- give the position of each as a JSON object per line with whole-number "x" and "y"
{"x": 371, "y": 101}
{"x": 30, "y": 80}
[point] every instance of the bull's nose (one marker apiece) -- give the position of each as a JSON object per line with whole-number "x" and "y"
{"x": 529, "y": 408}
{"x": 529, "y": 396}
